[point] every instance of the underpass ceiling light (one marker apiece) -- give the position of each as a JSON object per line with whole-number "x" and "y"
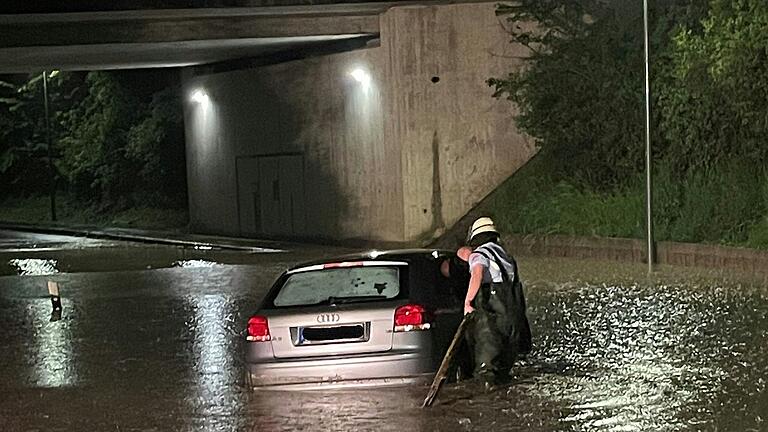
{"x": 361, "y": 76}
{"x": 200, "y": 96}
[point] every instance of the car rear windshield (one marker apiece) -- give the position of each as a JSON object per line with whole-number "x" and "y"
{"x": 339, "y": 285}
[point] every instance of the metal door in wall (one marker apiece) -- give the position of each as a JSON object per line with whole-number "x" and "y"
{"x": 271, "y": 195}
{"x": 248, "y": 195}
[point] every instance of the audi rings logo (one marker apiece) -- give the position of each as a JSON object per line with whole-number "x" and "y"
{"x": 328, "y": 318}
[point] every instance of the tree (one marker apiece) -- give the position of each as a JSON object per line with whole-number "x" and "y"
{"x": 119, "y": 141}
{"x": 580, "y": 93}
{"x": 156, "y": 143}
{"x": 713, "y": 107}
{"x": 23, "y": 144}
{"x": 93, "y": 150}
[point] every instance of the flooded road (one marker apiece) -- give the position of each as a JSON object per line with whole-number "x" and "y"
{"x": 160, "y": 349}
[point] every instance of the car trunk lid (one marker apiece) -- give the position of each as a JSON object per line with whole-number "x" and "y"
{"x": 333, "y": 330}
{"x": 337, "y": 308}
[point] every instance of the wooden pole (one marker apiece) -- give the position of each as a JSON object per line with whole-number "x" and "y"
{"x": 442, "y": 372}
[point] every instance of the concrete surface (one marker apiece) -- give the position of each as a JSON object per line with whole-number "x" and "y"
{"x": 396, "y": 153}
{"x": 201, "y": 242}
{"x": 170, "y": 38}
{"x": 311, "y": 108}
{"x": 118, "y": 39}
{"x": 458, "y": 143}
{"x": 108, "y": 56}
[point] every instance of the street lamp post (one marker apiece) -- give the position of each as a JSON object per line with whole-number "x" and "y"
{"x": 51, "y": 172}
{"x": 648, "y": 213}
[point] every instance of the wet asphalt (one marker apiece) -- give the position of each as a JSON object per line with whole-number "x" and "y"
{"x": 159, "y": 349}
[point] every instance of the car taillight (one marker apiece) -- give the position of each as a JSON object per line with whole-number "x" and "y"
{"x": 411, "y": 317}
{"x": 258, "y": 329}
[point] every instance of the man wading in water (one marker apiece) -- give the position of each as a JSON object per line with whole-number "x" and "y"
{"x": 499, "y": 331}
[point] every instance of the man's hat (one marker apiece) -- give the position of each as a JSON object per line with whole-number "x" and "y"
{"x": 481, "y": 225}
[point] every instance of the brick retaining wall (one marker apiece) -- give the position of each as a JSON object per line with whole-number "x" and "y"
{"x": 633, "y": 250}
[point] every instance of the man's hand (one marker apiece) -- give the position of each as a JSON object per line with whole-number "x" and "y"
{"x": 468, "y": 309}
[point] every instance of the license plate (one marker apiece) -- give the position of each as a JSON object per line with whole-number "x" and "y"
{"x": 332, "y": 334}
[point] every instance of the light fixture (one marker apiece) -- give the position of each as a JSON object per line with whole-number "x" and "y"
{"x": 199, "y": 96}
{"x": 362, "y": 77}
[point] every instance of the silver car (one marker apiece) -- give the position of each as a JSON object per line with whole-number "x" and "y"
{"x": 379, "y": 318}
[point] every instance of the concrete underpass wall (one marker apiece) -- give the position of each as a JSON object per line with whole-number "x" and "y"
{"x": 310, "y": 109}
{"x": 394, "y": 157}
{"x": 458, "y": 143}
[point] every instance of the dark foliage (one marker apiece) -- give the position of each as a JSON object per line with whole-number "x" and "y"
{"x": 581, "y": 93}
{"x": 117, "y": 142}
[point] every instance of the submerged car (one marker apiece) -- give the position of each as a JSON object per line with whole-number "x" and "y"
{"x": 372, "y": 319}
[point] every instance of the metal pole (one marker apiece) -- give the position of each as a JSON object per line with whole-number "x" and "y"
{"x": 51, "y": 173}
{"x": 648, "y": 214}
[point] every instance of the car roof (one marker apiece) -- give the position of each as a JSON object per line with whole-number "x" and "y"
{"x": 376, "y": 255}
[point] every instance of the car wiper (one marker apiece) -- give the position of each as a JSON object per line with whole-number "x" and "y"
{"x": 353, "y": 299}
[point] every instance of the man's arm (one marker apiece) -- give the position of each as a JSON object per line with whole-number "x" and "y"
{"x": 475, "y": 280}
{"x": 445, "y": 268}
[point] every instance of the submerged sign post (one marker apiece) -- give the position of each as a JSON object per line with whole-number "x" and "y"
{"x": 53, "y": 291}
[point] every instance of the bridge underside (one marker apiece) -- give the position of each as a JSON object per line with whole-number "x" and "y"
{"x": 173, "y": 38}
{"x": 360, "y": 121}
{"x": 155, "y": 55}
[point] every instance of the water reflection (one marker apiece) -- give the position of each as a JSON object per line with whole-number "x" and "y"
{"x": 217, "y": 397}
{"x": 34, "y": 266}
{"x": 194, "y": 263}
{"x": 642, "y": 363}
{"x": 51, "y": 351}
{"x": 385, "y": 409}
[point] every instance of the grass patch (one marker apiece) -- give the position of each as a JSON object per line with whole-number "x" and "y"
{"x": 720, "y": 205}
{"x": 69, "y": 211}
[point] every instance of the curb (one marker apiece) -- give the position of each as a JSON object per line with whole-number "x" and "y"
{"x": 753, "y": 261}
{"x": 213, "y": 242}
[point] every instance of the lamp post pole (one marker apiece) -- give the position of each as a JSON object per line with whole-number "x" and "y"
{"x": 648, "y": 213}
{"x": 51, "y": 172}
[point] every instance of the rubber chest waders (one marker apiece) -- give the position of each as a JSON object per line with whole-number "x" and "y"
{"x": 500, "y": 330}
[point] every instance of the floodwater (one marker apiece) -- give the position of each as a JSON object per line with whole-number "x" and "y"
{"x": 160, "y": 350}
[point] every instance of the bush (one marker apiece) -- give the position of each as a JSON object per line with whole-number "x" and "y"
{"x": 580, "y": 93}
{"x": 725, "y": 204}
{"x": 70, "y": 210}
{"x": 93, "y": 148}
{"x": 714, "y": 101}
{"x": 531, "y": 203}
{"x": 580, "y": 96}
{"x": 117, "y": 142}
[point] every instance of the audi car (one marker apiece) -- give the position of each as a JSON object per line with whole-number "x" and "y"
{"x": 370, "y": 319}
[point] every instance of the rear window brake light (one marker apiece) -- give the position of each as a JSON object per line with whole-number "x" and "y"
{"x": 347, "y": 264}
{"x": 344, "y": 264}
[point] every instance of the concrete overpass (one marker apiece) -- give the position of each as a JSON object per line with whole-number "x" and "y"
{"x": 382, "y": 127}
{"x": 177, "y": 37}
{"x": 173, "y": 38}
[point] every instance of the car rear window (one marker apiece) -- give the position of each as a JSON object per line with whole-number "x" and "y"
{"x": 339, "y": 285}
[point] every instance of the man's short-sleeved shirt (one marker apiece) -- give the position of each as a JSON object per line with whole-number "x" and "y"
{"x": 491, "y": 270}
